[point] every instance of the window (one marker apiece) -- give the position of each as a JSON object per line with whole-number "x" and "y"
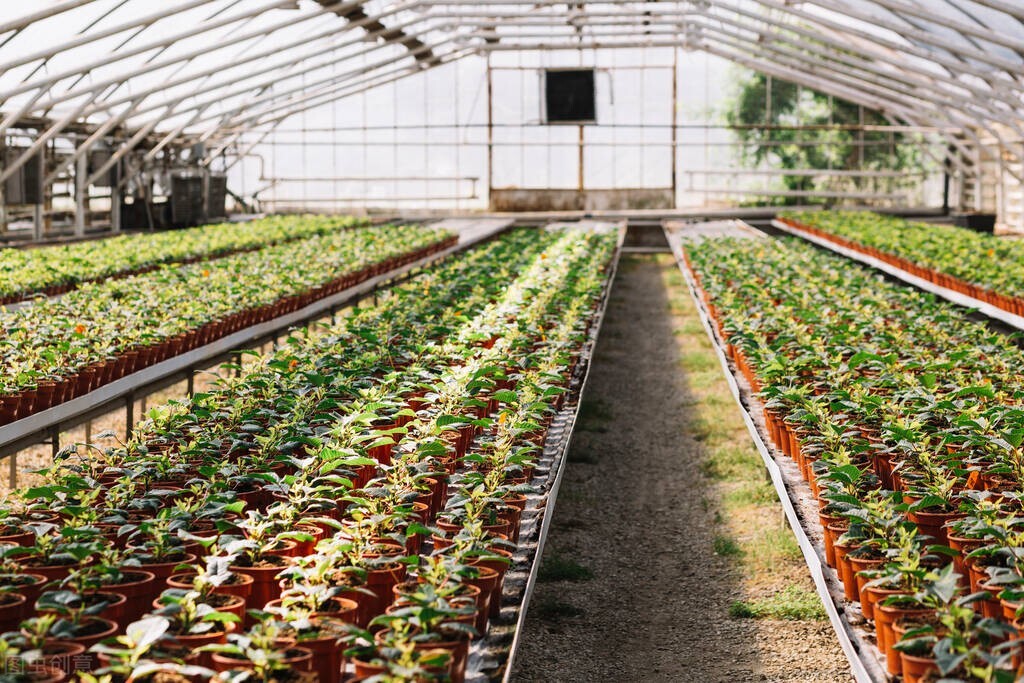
{"x": 569, "y": 96}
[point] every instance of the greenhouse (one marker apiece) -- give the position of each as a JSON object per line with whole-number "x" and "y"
{"x": 497, "y": 341}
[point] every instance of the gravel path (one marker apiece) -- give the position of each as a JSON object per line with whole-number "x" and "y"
{"x": 632, "y": 588}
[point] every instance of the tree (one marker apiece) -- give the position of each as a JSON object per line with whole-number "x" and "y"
{"x": 771, "y": 130}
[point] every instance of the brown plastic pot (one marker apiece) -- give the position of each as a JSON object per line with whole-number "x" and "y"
{"x": 114, "y": 611}
{"x": 933, "y": 524}
{"x": 915, "y": 667}
{"x": 193, "y": 642}
{"x": 62, "y": 655}
{"x": 265, "y": 586}
{"x": 12, "y": 610}
{"x": 299, "y": 659}
{"x": 161, "y": 571}
{"x": 488, "y": 581}
{"x": 457, "y": 649}
{"x": 242, "y": 587}
{"x": 139, "y": 591}
{"x": 104, "y": 628}
{"x": 885, "y": 617}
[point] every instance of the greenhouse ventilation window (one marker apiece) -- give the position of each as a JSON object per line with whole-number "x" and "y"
{"x": 569, "y": 96}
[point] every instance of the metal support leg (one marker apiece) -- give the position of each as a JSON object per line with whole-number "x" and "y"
{"x": 190, "y": 383}
{"x": 54, "y": 441}
{"x": 81, "y": 194}
{"x": 88, "y": 431}
{"x": 115, "y": 209}
{"x": 37, "y": 222}
{"x": 129, "y": 417}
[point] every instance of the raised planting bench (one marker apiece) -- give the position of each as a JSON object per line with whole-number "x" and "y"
{"x": 988, "y": 310}
{"x": 47, "y": 425}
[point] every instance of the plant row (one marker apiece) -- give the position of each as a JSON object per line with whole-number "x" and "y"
{"x": 346, "y": 508}
{"x": 907, "y": 421}
{"x": 54, "y": 270}
{"x": 57, "y": 349}
{"x": 988, "y": 268}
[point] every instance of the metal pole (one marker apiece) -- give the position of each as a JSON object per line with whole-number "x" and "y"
{"x": 129, "y": 414}
{"x": 580, "y": 178}
{"x": 490, "y": 132}
{"x": 115, "y": 207}
{"x": 675, "y": 116}
{"x": 81, "y": 193}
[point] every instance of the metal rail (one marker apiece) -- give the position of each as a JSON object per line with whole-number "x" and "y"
{"x": 865, "y": 669}
{"x": 47, "y": 425}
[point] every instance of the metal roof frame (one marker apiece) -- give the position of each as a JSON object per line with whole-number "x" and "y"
{"x": 901, "y": 57}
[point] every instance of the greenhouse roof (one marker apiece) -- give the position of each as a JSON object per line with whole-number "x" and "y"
{"x": 196, "y": 70}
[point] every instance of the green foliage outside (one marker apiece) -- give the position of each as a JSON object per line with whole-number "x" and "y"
{"x": 770, "y": 138}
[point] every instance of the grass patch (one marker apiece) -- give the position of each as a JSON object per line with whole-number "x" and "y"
{"x": 733, "y": 461}
{"x": 700, "y": 363}
{"x": 772, "y": 546}
{"x": 751, "y": 492}
{"x": 726, "y": 547}
{"x": 553, "y": 610}
{"x": 792, "y": 603}
{"x": 558, "y": 568}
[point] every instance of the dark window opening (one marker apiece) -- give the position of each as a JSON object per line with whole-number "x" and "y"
{"x": 569, "y": 95}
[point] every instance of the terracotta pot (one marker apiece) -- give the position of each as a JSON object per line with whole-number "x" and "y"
{"x": 833, "y": 530}
{"x": 304, "y": 548}
{"x": 328, "y": 658}
{"x": 162, "y": 570}
{"x": 28, "y": 585}
{"x": 265, "y": 586}
{"x": 915, "y": 668}
{"x": 242, "y": 588}
{"x": 103, "y": 629}
{"x": 139, "y": 591}
{"x": 114, "y": 611}
{"x": 1009, "y": 610}
{"x": 231, "y": 604}
{"x": 500, "y": 567}
{"x": 488, "y": 581}
{"x": 990, "y": 607}
{"x": 300, "y": 659}
{"x": 337, "y": 609}
{"x": 12, "y": 611}
{"x": 45, "y": 674}
{"x": 458, "y": 650}
{"x": 63, "y": 656}
{"x": 56, "y": 572}
{"x": 885, "y": 617}
{"x": 194, "y": 642}
{"x": 859, "y": 564}
{"x": 381, "y": 583}
{"x": 845, "y": 570}
{"x": 23, "y": 539}
{"x": 870, "y": 598}
{"x": 933, "y": 524}
{"x": 963, "y": 547}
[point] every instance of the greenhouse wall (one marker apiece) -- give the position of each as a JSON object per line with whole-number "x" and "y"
{"x": 471, "y": 135}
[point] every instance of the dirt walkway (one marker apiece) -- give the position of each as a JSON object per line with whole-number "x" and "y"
{"x": 640, "y": 572}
